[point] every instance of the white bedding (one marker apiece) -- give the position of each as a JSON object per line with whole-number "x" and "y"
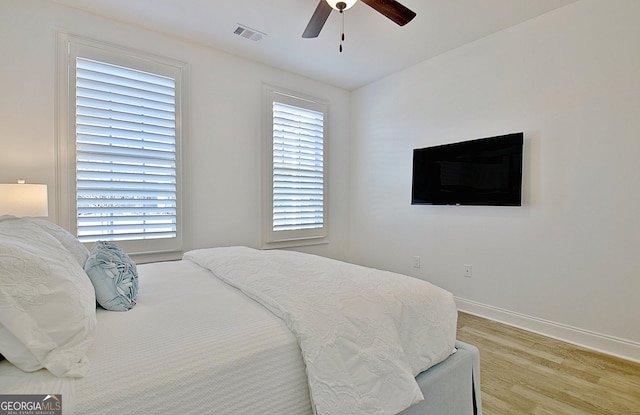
{"x": 192, "y": 344}
{"x": 364, "y": 333}
{"x": 195, "y": 344}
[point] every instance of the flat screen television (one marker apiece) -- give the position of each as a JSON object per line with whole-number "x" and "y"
{"x": 485, "y": 172}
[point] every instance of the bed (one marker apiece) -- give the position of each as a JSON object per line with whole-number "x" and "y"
{"x": 206, "y": 335}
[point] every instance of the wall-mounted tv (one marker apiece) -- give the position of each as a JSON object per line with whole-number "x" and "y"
{"x": 485, "y": 172}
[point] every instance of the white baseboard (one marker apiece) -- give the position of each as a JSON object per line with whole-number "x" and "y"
{"x": 595, "y": 341}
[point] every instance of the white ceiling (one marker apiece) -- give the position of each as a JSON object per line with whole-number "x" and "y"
{"x": 374, "y": 46}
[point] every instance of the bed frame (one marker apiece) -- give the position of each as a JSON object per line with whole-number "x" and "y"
{"x": 446, "y": 384}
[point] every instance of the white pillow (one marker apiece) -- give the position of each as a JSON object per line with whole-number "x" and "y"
{"x": 70, "y": 242}
{"x": 47, "y": 303}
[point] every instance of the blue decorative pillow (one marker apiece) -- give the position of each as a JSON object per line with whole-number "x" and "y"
{"x": 114, "y": 276}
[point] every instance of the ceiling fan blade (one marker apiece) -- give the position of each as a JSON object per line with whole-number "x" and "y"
{"x": 392, "y": 10}
{"x": 318, "y": 19}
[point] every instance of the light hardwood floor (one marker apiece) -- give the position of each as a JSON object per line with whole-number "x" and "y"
{"x": 525, "y": 373}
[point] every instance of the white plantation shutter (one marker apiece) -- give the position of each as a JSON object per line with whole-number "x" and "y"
{"x": 125, "y": 153}
{"x": 119, "y": 136}
{"x": 297, "y": 185}
{"x": 298, "y": 168}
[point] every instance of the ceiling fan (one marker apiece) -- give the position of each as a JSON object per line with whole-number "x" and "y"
{"x": 389, "y": 8}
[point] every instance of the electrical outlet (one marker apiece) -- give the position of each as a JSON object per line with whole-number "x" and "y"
{"x": 416, "y": 262}
{"x": 467, "y": 271}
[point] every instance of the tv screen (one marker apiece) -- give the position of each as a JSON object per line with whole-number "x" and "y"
{"x": 486, "y": 172}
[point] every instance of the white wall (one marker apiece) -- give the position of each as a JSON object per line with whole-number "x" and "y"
{"x": 567, "y": 262}
{"x": 222, "y": 158}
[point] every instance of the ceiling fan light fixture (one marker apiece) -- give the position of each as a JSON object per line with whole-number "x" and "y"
{"x": 391, "y": 9}
{"x": 336, "y": 5}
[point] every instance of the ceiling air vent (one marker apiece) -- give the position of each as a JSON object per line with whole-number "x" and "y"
{"x": 249, "y": 33}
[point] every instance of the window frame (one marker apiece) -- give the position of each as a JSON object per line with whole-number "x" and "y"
{"x": 68, "y": 48}
{"x": 302, "y": 237}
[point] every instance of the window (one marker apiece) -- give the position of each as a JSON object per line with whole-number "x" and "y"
{"x": 122, "y": 147}
{"x": 295, "y": 186}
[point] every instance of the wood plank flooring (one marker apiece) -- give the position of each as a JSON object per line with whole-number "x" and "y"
{"x": 525, "y": 373}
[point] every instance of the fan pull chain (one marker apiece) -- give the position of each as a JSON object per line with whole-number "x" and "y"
{"x": 342, "y": 37}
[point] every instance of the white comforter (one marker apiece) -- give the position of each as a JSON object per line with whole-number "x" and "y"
{"x": 364, "y": 333}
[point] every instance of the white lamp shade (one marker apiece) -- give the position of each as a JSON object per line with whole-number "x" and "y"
{"x": 349, "y": 3}
{"x": 24, "y": 200}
